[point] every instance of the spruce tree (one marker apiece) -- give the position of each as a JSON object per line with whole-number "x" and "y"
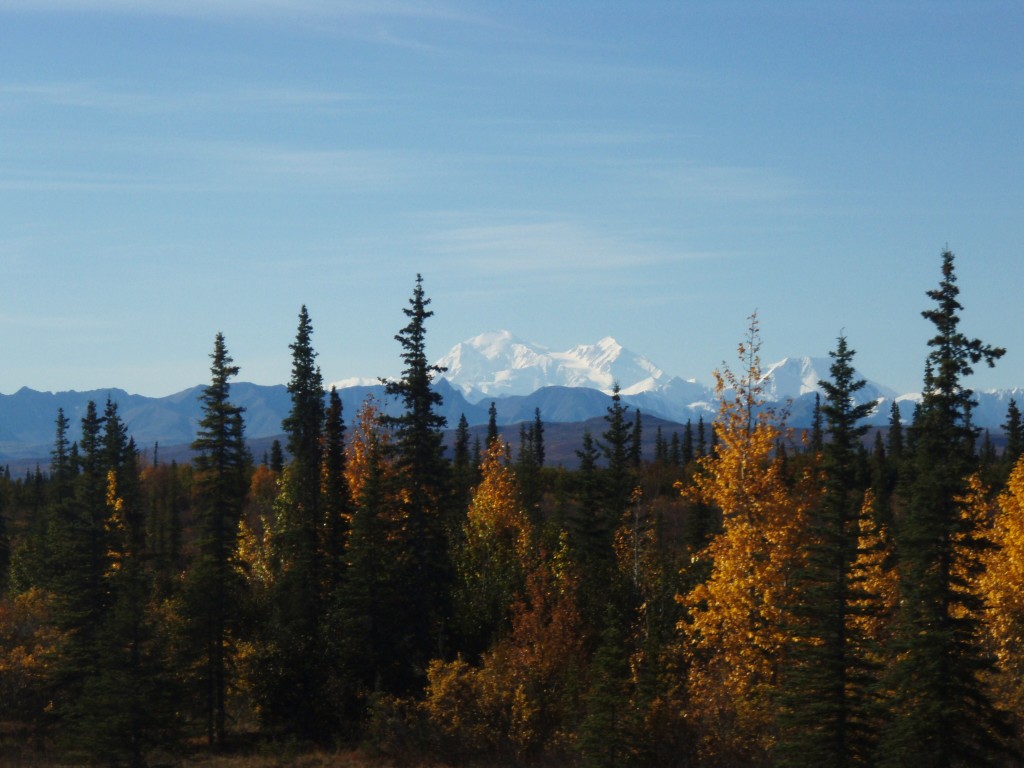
{"x": 1013, "y": 428}
{"x": 294, "y": 665}
{"x": 337, "y": 501}
{"x": 492, "y": 425}
{"x": 538, "y": 438}
{"x": 824, "y": 699}
{"x": 426, "y": 497}
{"x": 941, "y": 714}
{"x": 214, "y": 587}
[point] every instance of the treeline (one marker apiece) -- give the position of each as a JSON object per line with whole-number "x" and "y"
{"x": 746, "y": 597}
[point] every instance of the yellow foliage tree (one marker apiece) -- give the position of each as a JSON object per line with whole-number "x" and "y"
{"x": 519, "y": 700}
{"x": 493, "y": 556}
{"x": 735, "y": 630}
{"x": 1001, "y": 584}
{"x": 876, "y": 580}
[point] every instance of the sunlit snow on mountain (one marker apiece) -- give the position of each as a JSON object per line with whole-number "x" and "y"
{"x": 498, "y": 364}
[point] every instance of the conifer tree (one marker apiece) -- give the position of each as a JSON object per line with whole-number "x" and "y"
{"x": 817, "y": 433}
{"x": 537, "y": 433}
{"x": 636, "y": 450}
{"x": 492, "y": 425}
{"x": 1013, "y": 428}
{"x": 337, "y": 501}
{"x": 941, "y": 715}
{"x": 426, "y": 497}
{"x": 895, "y": 434}
{"x": 369, "y": 606}
{"x": 462, "y": 467}
{"x": 110, "y": 696}
{"x": 214, "y": 588}
{"x": 294, "y": 664}
{"x": 824, "y": 697}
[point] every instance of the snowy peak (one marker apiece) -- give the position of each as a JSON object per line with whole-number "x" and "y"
{"x": 793, "y": 377}
{"x": 498, "y": 363}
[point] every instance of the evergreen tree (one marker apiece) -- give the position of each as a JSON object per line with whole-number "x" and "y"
{"x": 824, "y": 690}
{"x": 538, "y": 438}
{"x": 214, "y": 588}
{"x": 370, "y": 605}
{"x": 895, "y": 434}
{"x": 111, "y": 697}
{"x": 276, "y": 457}
{"x": 425, "y": 475}
{"x": 492, "y": 426}
{"x": 62, "y": 466}
{"x": 528, "y": 471}
{"x": 817, "y": 434}
{"x": 1013, "y": 428}
{"x": 619, "y": 445}
{"x": 941, "y": 714}
{"x": 462, "y": 467}
{"x": 294, "y": 668}
{"x": 685, "y": 450}
{"x": 337, "y": 501}
{"x": 636, "y": 449}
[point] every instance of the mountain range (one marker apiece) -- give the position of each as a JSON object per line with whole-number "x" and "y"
{"x": 518, "y": 376}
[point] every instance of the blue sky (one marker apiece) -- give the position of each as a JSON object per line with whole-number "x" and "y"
{"x": 654, "y": 171}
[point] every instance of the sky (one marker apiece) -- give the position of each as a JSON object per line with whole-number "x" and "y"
{"x": 651, "y": 171}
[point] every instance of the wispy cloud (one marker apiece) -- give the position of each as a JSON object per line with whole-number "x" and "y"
{"x": 242, "y": 8}
{"x": 92, "y": 95}
{"x": 53, "y": 322}
{"x": 560, "y": 246}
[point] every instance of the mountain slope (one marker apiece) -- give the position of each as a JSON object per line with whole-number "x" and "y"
{"x": 497, "y": 364}
{"x": 520, "y": 377}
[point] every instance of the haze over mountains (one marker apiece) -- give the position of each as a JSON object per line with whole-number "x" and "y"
{"x": 519, "y": 376}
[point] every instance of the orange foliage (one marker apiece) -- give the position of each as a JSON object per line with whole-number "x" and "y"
{"x": 875, "y": 578}
{"x": 28, "y": 642}
{"x": 1001, "y": 584}
{"x": 369, "y": 440}
{"x": 735, "y": 627}
{"x": 519, "y": 698}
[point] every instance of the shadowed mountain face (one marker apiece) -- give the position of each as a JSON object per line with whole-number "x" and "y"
{"x": 569, "y": 387}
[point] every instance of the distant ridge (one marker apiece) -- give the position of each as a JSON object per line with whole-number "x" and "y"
{"x": 520, "y": 377}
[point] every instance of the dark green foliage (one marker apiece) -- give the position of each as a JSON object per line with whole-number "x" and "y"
{"x": 214, "y": 588}
{"x": 368, "y": 607}
{"x": 492, "y": 425}
{"x": 463, "y": 472}
{"x": 537, "y": 433}
{"x": 636, "y": 452}
{"x": 824, "y": 699}
{"x": 337, "y": 500}
{"x": 276, "y": 457}
{"x": 5, "y": 549}
{"x": 166, "y": 489}
{"x": 1013, "y": 428}
{"x": 426, "y": 479}
{"x": 941, "y": 715}
{"x": 297, "y": 671}
{"x": 113, "y": 699}
{"x": 607, "y": 737}
{"x": 817, "y": 443}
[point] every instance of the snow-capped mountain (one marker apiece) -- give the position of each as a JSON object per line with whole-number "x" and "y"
{"x": 793, "y": 377}
{"x": 498, "y": 364}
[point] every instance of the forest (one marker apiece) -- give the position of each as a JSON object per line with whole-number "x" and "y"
{"x": 748, "y": 595}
